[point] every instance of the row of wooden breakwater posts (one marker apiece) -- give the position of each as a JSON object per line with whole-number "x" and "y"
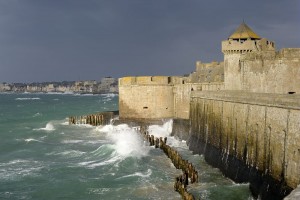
{"x": 189, "y": 171}
{"x": 96, "y": 119}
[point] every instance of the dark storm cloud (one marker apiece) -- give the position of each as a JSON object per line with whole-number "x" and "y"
{"x": 44, "y": 40}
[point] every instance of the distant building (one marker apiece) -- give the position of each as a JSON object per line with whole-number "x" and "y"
{"x": 106, "y": 85}
{"x": 5, "y": 87}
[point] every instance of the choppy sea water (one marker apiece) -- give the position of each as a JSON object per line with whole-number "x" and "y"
{"x": 42, "y": 157}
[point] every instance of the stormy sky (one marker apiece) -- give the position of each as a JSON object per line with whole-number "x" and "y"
{"x": 56, "y": 40}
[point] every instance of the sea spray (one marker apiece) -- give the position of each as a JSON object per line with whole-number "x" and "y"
{"x": 126, "y": 140}
{"x": 49, "y": 127}
{"x": 161, "y": 130}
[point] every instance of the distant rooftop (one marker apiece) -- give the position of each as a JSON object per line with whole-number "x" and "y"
{"x": 244, "y": 32}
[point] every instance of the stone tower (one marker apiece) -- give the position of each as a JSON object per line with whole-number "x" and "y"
{"x": 241, "y": 42}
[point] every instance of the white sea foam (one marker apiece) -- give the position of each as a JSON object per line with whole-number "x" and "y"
{"x": 109, "y": 95}
{"x": 101, "y": 157}
{"x": 37, "y": 114}
{"x": 17, "y": 169}
{"x": 49, "y": 127}
{"x": 165, "y": 130}
{"x": 64, "y": 123}
{"x": 161, "y": 131}
{"x": 140, "y": 174}
{"x": 22, "y": 99}
{"x": 72, "y": 141}
{"x": 114, "y": 160}
{"x": 31, "y": 140}
{"x": 84, "y": 125}
{"x": 69, "y": 153}
{"x": 126, "y": 141}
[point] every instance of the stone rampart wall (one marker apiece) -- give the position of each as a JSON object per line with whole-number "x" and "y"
{"x": 232, "y": 72}
{"x": 182, "y": 100}
{"x": 279, "y": 74}
{"x": 261, "y": 132}
{"x": 146, "y": 101}
{"x": 208, "y": 73}
{"x": 153, "y": 97}
{"x": 182, "y": 94}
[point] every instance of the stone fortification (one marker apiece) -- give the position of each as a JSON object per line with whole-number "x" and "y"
{"x": 208, "y": 73}
{"x": 249, "y": 132}
{"x": 243, "y": 113}
{"x": 156, "y": 97}
{"x": 271, "y": 72}
{"x": 148, "y": 97}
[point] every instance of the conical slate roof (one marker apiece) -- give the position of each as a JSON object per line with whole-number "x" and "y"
{"x": 244, "y": 32}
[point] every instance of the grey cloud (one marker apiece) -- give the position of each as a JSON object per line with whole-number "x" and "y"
{"x": 71, "y": 39}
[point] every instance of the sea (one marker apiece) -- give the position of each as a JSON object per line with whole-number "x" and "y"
{"x": 43, "y": 157}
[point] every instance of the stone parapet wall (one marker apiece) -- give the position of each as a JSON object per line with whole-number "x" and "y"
{"x": 208, "y": 73}
{"x": 275, "y": 74}
{"x": 289, "y": 53}
{"x": 145, "y": 80}
{"x": 276, "y": 100}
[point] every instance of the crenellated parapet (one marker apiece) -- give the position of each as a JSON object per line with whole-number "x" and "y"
{"x": 200, "y": 65}
{"x": 246, "y": 46}
{"x": 145, "y": 80}
{"x": 239, "y": 47}
{"x": 152, "y": 80}
{"x": 208, "y": 72}
{"x": 289, "y": 53}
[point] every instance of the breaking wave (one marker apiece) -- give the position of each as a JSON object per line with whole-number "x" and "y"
{"x": 127, "y": 142}
{"x": 140, "y": 174}
{"x": 23, "y": 99}
{"x": 49, "y": 127}
{"x": 164, "y": 130}
{"x": 69, "y": 153}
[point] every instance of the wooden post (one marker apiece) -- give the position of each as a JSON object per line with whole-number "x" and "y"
{"x": 152, "y": 140}
{"x": 156, "y": 142}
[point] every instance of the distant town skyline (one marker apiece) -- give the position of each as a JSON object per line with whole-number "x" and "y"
{"x": 85, "y": 40}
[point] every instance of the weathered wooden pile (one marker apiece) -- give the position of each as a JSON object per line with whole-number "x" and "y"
{"x": 187, "y": 168}
{"x": 96, "y": 119}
